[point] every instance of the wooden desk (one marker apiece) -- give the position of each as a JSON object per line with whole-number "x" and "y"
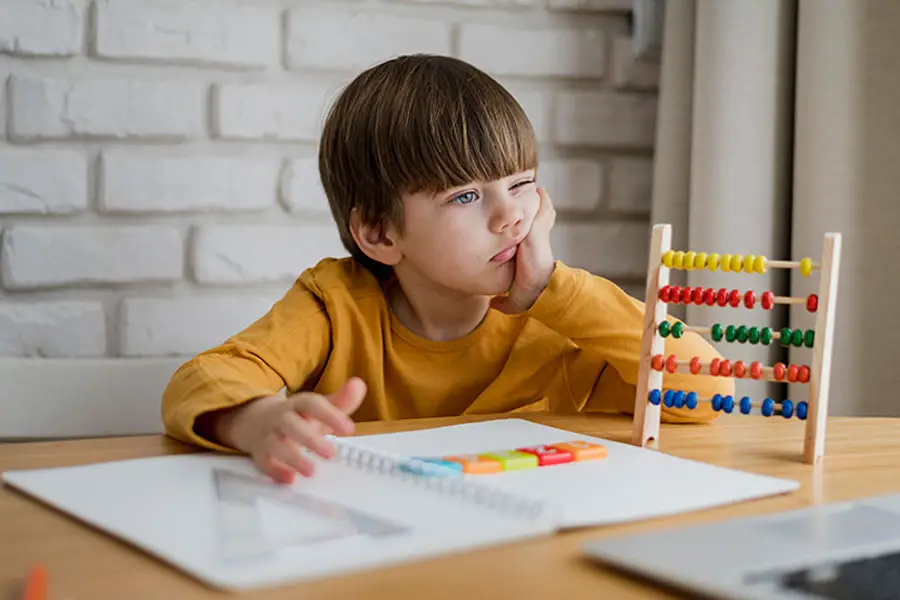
{"x": 863, "y": 459}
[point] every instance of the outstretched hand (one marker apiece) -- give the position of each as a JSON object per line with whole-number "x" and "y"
{"x": 534, "y": 262}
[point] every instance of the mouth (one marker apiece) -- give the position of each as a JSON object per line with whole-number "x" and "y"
{"x": 506, "y": 254}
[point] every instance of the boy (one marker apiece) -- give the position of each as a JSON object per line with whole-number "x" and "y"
{"x": 451, "y": 302}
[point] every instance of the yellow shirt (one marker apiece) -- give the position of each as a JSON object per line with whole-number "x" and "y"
{"x": 577, "y": 349}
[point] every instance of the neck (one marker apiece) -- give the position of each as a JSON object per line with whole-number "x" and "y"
{"x": 436, "y": 313}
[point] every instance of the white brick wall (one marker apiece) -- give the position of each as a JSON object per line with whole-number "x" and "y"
{"x": 159, "y": 184}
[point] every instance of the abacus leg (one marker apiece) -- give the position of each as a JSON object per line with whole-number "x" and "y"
{"x": 820, "y": 376}
{"x": 645, "y": 426}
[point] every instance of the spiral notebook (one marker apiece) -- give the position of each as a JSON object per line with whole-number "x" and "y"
{"x": 377, "y": 503}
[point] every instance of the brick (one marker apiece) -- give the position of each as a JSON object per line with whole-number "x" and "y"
{"x": 52, "y": 329}
{"x": 51, "y": 108}
{"x": 536, "y": 105}
{"x": 605, "y": 119}
{"x": 592, "y": 5}
{"x": 573, "y": 184}
{"x": 45, "y": 182}
{"x": 228, "y": 254}
{"x": 186, "y": 326}
{"x": 609, "y": 249}
{"x": 278, "y": 111}
{"x": 191, "y": 32}
{"x": 504, "y": 50}
{"x": 301, "y": 187}
{"x": 323, "y": 38}
{"x": 631, "y": 184}
{"x": 630, "y": 72}
{"x": 137, "y": 182}
{"x": 41, "y": 27}
{"x": 480, "y": 3}
{"x": 58, "y": 255}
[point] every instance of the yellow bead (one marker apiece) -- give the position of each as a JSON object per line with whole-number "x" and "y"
{"x": 667, "y": 258}
{"x": 726, "y": 263}
{"x": 689, "y": 258}
{"x": 678, "y": 260}
{"x": 759, "y": 265}
{"x": 713, "y": 261}
{"x": 806, "y": 267}
{"x": 737, "y": 263}
{"x": 748, "y": 263}
{"x": 700, "y": 260}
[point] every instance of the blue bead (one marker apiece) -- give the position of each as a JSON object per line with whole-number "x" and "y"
{"x": 717, "y": 402}
{"x": 746, "y": 405}
{"x": 691, "y": 401}
{"x": 667, "y": 398}
{"x": 728, "y": 404}
{"x": 801, "y": 410}
{"x": 787, "y": 409}
{"x": 768, "y": 407}
{"x": 654, "y": 397}
{"x": 679, "y": 399}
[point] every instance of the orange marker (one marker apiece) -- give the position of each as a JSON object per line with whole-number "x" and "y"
{"x": 36, "y": 583}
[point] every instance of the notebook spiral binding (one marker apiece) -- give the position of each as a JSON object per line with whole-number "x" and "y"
{"x": 438, "y": 478}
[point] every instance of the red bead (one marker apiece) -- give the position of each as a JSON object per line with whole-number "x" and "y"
{"x": 803, "y": 375}
{"x": 812, "y": 303}
{"x": 755, "y": 369}
{"x": 734, "y": 298}
{"x": 792, "y": 373}
{"x": 722, "y": 297}
{"x": 697, "y": 296}
{"x": 695, "y": 365}
{"x": 725, "y": 368}
{"x": 739, "y": 369}
{"x": 686, "y": 295}
{"x": 714, "y": 366}
{"x": 657, "y": 362}
{"x": 778, "y": 371}
{"x": 671, "y": 364}
{"x": 664, "y": 293}
{"x": 675, "y": 294}
{"x": 749, "y": 299}
{"x": 709, "y": 296}
{"x": 768, "y": 300}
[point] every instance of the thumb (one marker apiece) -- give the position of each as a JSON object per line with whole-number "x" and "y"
{"x": 350, "y": 396}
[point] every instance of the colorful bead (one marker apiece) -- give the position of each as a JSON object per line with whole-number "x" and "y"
{"x": 654, "y": 397}
{"x": 675, "y": 294}
{"x": 678, "y": 330}
{"x": 726, "y": 263}
{"x": 759, "y": 265}
{"x": 582, "y": 450}
{"x": 767, "y": 300}
{"x": 746, "y": 405}
{"x": 714, "y": 367}
{"x": 713, "y": 262}
{"x": 664, "y": 329}
{"x": 725, "y": 368}
{"x": 697, "y": 296}
{"x": 812, "y": 303}
{"x": 734, "y": 298}
{"x": 717, "y": 402}
{"x": 768, "y": 407}
{"x": 792, "y": 372}
{"x": 801, "y": 410}
{"x": 686, "y": 295}
{"x": 785, "y": 337}
{"x": 737, "y": 263}
{"x": 700, "y": 260}
{"x": 657, "y": 362}
{"x": 803, "y": 374}
{"x": 667, "y": 398}
{"x": 805, "y": 267}
{"x": 797, "y": 337}
{"x": 722, "y": 297}
{"x": 740, "y": 369}
{"x": 667, "y": 258}
{"x": 678, "y": 260}
{"x": 728, "y": 404}
{"x": 709, "y": 296}
{"x": 748, "y": 263}
{"x": 689, "y": 258}
{"x": 716, "y": 332}
{"x": 730, "y": 333}
{"x": 671, "y": 364}
{"x": 513, "y": 460}
{"x": 749, "y": 299}
{"x": 755, "y": 369}
{"x": 778, "y": 371}
{"x": 809, "y": 338}
{"x": 695, "y": 365}
{"x": 787, "y": 409}
{"x": 742, "y": 334}
{"x": 753, "y": 335}
{"x": 678, "y": 399}
{"x": 549, "y": 455}
{"x": 691, "y": 400}
{"x": 765, "y": 336}
{"x": 664, "y": 293}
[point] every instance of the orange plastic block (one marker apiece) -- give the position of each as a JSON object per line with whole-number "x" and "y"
{"x": 513, "y": 460}
{"x": 476, "y": 464}
{"x": 548, "y": 455}
{"x": 583, "y": 450}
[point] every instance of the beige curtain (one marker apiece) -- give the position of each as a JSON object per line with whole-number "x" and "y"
{"x": 778, "y": 122}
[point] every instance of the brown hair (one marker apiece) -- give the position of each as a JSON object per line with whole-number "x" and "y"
{"x": 411, "y": 124}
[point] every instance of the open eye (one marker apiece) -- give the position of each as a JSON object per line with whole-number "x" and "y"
{"x": 465, "y": 198}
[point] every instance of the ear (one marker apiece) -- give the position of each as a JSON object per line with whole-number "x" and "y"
{"x": 376, "y": 244}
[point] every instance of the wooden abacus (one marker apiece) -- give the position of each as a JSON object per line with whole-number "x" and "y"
{"x": 650, "y": 394}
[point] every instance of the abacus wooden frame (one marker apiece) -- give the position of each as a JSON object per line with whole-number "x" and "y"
{"x": 646, "y": 421}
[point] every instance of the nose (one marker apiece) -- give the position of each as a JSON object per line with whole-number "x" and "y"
{"x": 507, "y": 215}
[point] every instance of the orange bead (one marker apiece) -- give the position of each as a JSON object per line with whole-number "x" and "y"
{"x": 671, "y": 364}
{"x": 714, "y": 366}
{"x": 582, "y": 450}
{"x": 475, "y": 464}
{"x": 739, "y": 369}
{"x": 755, "y": 369}
{"x": 778, "y": 371}
{"x": 657, "y": 362}
{"x": 725, "y": 368}
{"x": 803, "y": 375}
{"x": 792, "y": 372}
{"x": 695, "y": 365}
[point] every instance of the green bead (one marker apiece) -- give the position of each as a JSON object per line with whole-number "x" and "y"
{"x": 664, "y": 329}
{"x": 754, "y": 335}
{"x": 809, "y": 338}
{"x": 678, "y": 330}
{"x": 797, "y": 338}
{"x": 729, "y": 333}
{"x": 786, "y": 336}
{"x": 742, "y": 334}
{"x": 766, "y": 335}
{"x": 716, "y": 332}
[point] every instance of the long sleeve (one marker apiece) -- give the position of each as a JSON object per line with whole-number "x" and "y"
{"x": 607, "y": 324}
{"x": 285, "y": 348}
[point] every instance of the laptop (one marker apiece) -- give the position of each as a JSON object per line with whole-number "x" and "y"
{"x": 838, "y": 551}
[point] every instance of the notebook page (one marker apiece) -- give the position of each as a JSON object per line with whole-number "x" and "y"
{"x": 630, "y": 484}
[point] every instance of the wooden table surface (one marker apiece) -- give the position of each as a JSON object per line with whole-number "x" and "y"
{"x": 862, "y": 459}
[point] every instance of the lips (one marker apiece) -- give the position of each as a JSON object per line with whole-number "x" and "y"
{"x": 506, "y": 254}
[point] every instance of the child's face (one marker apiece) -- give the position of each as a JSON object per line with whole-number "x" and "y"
{"x": 464, "y": 239}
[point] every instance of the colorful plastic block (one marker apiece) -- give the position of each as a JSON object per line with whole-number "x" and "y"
{"x": 513, "y": 460}
{"x": 476, "y": 464}
{"x": 583, "y": 450}
{"x": 548, "y": 455}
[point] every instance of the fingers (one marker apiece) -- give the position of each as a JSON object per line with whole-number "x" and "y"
{"x": 296, "y": 428}
{"x": 273, "y": 468}
{"x": 546, "y": 212}
{"x": 281, "y": 449}
{"x": 350, "y": 396}
{"x": 319, "y": 408}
